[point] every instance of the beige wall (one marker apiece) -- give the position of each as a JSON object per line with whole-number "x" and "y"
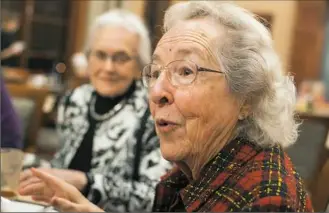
{"x": 136, "y": 6}
{"x": 284, "y": 18}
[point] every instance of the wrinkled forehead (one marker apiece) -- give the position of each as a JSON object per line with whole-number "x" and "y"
{"x": 194, "y": 37}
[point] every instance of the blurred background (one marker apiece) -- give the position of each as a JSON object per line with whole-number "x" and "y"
{"x": 48, "y": 37}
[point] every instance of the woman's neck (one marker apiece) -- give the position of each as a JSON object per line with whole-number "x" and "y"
{"x": 105, "y": 103}
{"x": 193, "y": 166}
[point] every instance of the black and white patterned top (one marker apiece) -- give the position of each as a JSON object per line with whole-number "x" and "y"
{"x": 113, "y": 150}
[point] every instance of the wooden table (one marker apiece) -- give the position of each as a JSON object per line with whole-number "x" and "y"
{"x": 24, "y": 206}
{"x": 322, "y": 117}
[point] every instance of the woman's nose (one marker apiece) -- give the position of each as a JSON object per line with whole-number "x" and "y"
{"x": 108, "y": 65}
{"x": 162, "y": 92}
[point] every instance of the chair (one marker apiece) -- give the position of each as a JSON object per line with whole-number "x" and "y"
{"x": 47, "y": 143}
{"x": 31, "y": 113}
{"x": 305, "y": 152}
{"x": 308, "y": 154}
{"x": 24, "y": 108}
{"x": 321, "y": 203}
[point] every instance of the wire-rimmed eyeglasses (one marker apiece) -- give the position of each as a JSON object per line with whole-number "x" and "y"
{"x": 119, "y": 57}
{"x": 179, "y": 72}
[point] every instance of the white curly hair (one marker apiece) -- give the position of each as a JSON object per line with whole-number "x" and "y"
{"x": 128, "y": 20}
{"x": 253, "y": 69}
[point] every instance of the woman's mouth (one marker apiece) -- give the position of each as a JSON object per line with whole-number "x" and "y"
{"x": 165, "y": 125}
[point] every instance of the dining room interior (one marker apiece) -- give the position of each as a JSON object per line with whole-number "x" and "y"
{"x": 49, "y": 38}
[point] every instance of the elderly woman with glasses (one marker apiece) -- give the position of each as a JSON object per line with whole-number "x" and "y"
{"x": 223, "y": 110}
{"x": 110, "y": 151}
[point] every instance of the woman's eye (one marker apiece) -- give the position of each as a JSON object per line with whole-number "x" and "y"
{"x": 185, "y": 71}
{"x": 121, "y": 58}
{"x": 155, "y": 74}
{"x": 101, "y": 55}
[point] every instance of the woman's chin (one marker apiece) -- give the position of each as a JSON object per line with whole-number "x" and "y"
{"x": 171, "y": 153}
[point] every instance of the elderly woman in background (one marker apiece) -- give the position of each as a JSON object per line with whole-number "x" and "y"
{"x": 110, "y": 151}
{"x": 223, "y": 110}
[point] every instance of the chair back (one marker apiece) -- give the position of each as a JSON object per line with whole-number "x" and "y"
{"x": 28, "y": 101}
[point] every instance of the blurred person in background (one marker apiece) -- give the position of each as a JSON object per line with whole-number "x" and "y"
{"x": 110, "y": 151}
{"x": 11, "y": 130}
{"x": 10, "y": 46}
{"x": 223, "y": 110}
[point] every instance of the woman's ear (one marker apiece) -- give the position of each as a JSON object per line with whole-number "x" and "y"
{"x": 244, "y": 111}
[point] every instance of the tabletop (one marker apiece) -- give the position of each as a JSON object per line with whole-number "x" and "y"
{"x": 23, "y": 206}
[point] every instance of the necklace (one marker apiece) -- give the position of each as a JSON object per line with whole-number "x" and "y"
{"x": 110, "y": 113}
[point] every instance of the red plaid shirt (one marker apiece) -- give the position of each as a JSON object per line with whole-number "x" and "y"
{"x": 242, "y": 177}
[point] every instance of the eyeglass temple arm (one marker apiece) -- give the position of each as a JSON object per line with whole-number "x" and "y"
{"x": 202, "y": 69}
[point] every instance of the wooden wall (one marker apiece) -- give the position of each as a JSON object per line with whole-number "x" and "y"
{"x": 308, "y": 43}
{"x": 283, "y": 15}
{"x": 78, "y": 27}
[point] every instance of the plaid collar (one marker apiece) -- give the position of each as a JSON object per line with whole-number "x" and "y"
{"x": 232, "y": 157}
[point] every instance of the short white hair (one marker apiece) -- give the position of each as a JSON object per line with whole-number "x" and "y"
{"x": 131, "y": 22}
{"x": 253, "y": 69}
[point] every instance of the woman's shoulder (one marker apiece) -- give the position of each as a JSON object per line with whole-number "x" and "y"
{"x": 275, "y": 164}
{"x": 261, "y": 179}
{"x": 83, "y": 89}
{"x": 273, "y": 181}
{"x": 140, "y": 91}
{"x": 139, "y": 99}
{"x": 79, "y": 95}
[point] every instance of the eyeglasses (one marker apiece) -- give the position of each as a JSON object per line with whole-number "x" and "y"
{"x": 180, "y": 72}
{"x": 118, "y": 57}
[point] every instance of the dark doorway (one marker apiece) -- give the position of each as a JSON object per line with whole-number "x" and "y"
{"x": 154, "y": 13}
